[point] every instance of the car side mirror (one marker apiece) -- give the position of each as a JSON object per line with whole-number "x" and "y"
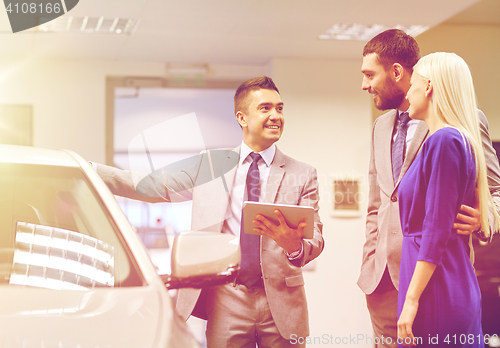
{"x": 201, "y": 259}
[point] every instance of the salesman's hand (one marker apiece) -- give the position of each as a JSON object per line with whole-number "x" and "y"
{"x": 468, "y": 219}
{"x": 286, "y": 237}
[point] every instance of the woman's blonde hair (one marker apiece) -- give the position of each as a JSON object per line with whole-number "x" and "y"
{"x": 455, "y": 106}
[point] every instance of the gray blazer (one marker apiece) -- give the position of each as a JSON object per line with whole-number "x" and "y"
{"x": 384, "y": 237}
{"x": 290, "y": 182}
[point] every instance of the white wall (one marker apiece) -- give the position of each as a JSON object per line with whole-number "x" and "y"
{"x": 328, "y": 125}
{"x": 479, "y": 46}
{"x": 68, "y": 99}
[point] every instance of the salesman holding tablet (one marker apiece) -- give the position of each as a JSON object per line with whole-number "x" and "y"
{"x": 266, "y": 306}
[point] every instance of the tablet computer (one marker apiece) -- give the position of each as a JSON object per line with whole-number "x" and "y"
{"x": 293, "y": 215}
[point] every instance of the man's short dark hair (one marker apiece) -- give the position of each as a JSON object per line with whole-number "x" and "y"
{"x": 394, "y": 46}
{"x": 246, "y": 87}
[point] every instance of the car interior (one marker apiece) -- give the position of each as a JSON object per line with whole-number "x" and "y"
{"x": 55, "y": 233}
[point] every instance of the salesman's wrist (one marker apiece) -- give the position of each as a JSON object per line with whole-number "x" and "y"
{"x": 295, "y": 254}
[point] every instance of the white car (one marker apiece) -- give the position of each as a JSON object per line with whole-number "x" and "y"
{"x": 73, "y": 272}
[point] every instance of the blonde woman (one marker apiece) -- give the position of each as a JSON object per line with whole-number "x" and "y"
{"x": 439, "y": 302}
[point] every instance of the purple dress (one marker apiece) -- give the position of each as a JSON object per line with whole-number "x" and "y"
{"x": 441, "y": 179}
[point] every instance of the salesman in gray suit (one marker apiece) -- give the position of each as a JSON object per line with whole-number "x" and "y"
{"x": 388, "y": 61}
{"x": 267, "y": 304}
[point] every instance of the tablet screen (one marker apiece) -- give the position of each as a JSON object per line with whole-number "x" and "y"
{"x": 293, "y": 214}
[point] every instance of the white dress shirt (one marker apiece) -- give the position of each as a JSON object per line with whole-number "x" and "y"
{"x": 238, "y": 192}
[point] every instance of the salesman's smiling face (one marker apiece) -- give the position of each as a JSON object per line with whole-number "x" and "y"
{"x": 262, "y": 120}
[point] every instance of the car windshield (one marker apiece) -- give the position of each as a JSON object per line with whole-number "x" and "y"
{"x": 55, "y": 233}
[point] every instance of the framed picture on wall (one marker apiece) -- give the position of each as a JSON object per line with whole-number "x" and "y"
{"x": 346, "y": 197}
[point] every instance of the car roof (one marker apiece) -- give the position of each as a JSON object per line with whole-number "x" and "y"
{"x": 36, "y": 155}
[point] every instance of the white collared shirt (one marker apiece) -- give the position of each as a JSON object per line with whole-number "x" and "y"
{"x": 238, "y": 192}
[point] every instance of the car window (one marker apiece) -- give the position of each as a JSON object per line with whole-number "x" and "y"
{"x": 55, "y": 233}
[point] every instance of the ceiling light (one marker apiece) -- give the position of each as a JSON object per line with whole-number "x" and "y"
{"x": 89, "y": 25}
{"x": 187, "y": 69}
{"x": 361, "y": 32}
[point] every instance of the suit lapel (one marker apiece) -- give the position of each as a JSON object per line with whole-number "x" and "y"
{"x": 276, "y": 175}
{"x": 383, "y": 144}
{"x": 229, "y": 170}
{"x": 220, "y": 194}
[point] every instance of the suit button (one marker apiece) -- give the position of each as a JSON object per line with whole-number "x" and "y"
{"x": 394, "y": 199}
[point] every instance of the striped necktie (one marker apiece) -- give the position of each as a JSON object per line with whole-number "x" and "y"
{"x": 250, "y": 272}
{"x": 398, "y": 148}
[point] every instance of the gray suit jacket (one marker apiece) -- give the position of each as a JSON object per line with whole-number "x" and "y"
{"x": 290, "y": 182}
{"x": 384, "y": 237}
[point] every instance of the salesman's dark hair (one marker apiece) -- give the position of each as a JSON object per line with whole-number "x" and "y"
{"x": 246, "y": 87}
{"x": 394, "y": 46}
